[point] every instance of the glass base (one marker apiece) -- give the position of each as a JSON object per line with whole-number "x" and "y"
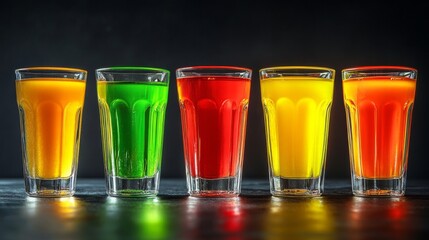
{"x": 133, "y": 187}
{"x": 296, "y": 187}
{"x": 62, "y": 187}
{"x": 370, "y": 187}
{"x": 214, "y": 188}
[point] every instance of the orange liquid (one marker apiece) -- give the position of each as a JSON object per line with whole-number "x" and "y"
{"x": 379, "y": 119}
{"x": 51, "y": 113}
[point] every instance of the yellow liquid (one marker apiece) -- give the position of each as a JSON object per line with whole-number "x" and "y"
{"x": 50, "y": 111}
{"x": 296, "y": 112}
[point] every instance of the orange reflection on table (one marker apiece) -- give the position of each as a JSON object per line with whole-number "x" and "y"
{"x": 54, "y": 216}
{"x": 386, "y": 217}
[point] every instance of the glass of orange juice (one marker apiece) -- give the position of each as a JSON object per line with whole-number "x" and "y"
{"x": 296, "y": 104}
{"x": 50, "y": 102}
{"x": 379, "y": 103}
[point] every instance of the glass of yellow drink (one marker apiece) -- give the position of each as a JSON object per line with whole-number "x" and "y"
{"x": 296, "y": 103}
{"x": 50, "y": 102}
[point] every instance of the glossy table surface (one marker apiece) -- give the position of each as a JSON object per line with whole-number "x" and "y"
{"x": 90, "y": 214}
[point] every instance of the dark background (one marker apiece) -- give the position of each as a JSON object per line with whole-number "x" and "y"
{"x": 172, "y": 34}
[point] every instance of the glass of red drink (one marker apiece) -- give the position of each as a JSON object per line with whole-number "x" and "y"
{"x": 213, "y": 104}
{"x": 379, "y": 103}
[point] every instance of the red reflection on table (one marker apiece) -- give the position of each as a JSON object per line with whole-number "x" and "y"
{"x": 219, "y": 218}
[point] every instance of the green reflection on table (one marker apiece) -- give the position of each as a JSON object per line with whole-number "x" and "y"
{"x": 137, "y": 218}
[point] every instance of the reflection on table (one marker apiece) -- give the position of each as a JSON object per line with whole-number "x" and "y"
{"x": 175, "y": 215}
{"x": 300, "y": 218}
{"x": 392, "y": 213}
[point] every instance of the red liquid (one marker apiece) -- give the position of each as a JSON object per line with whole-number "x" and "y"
{"x": 379, "y": 114}
{"x": 214, "y": 114}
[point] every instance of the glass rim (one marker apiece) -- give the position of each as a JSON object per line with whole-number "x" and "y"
{"x": 214, "y": 67}
{"x": 46, "y": 69}
{"x": 297, "y": 68}
{"x": 133, "y": 69}
{"x": 379, "y": 68}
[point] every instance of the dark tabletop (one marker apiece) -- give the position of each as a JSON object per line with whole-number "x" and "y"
{"x": 90, "y": 214}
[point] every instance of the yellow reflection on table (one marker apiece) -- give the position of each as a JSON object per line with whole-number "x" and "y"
{"x": 303, "y": 218}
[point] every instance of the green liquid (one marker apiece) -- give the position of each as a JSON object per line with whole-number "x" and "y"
{"x": 132, "y": 126}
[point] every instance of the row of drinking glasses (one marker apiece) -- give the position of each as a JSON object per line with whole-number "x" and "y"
{"x": 213, "y": 101}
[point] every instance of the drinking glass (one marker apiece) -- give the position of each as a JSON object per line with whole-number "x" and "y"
{"x": 213, "y": 103}
{"x": 50, "y": 102}
{"x": 296, "y": 104}
{"x": 379, "y": 102}
{"x": 132, "y": 103}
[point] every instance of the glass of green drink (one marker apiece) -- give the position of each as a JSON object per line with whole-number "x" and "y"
{"x": 132, "y": 103}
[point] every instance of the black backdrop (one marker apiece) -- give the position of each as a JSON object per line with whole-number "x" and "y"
{"x": 171, "y": 34}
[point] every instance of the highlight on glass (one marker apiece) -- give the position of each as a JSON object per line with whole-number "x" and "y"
{"x": 379, "y": 102}
{"x": 132, "y": 103}
{"x": 50, "y": 102}
{"x": 213, "y": 104}
{"x": 296, "y": 103}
